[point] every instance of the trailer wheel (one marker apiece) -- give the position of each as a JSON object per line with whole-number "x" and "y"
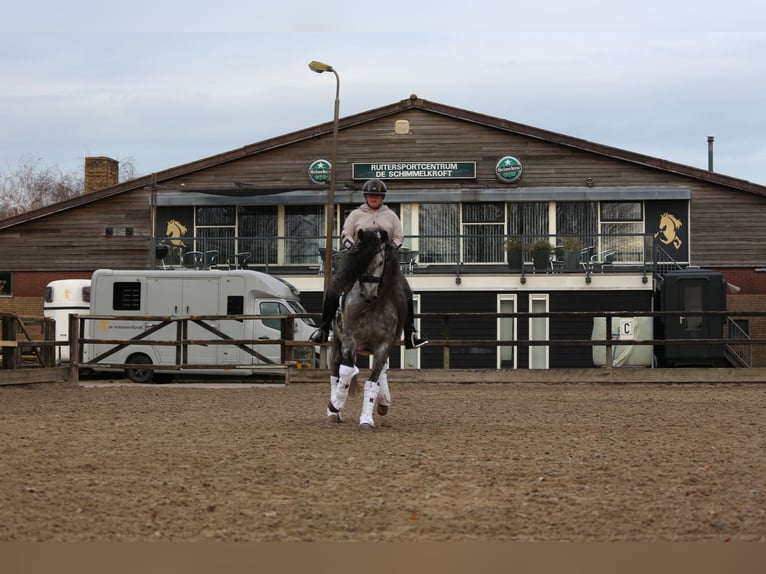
{"x": 137, "y": 374}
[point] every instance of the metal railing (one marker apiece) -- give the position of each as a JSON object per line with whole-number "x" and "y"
{"x": 472, "y": 253}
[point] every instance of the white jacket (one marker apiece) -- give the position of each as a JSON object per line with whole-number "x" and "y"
{"x": 364, "y": 217}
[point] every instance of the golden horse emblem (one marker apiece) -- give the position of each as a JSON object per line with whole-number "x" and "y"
{"x": 668, "y": 233}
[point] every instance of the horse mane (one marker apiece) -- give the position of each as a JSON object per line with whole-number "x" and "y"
{"x": 357, "y": 259}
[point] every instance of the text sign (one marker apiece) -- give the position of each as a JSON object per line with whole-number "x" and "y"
{"x": 416, "y": 170}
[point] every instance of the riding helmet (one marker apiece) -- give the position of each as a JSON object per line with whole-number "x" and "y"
{"x": 374, "y": 187}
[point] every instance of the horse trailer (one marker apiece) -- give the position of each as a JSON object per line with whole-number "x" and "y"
{"x": 155, "y": 294}
{"x": 62, "y": 298}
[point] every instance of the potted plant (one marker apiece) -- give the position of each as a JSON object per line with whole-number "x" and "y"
{"x": 572, "y": 247}
{"x": 513, "y": 246}
{"x": 541, "y": 254}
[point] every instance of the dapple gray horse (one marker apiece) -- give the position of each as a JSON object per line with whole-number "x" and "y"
{"x": 369, "y": 321}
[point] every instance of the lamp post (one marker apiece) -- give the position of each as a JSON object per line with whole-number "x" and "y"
{"x": 319, "y": 67}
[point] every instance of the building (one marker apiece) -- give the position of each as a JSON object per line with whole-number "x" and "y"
{"x": 463, "y": 184}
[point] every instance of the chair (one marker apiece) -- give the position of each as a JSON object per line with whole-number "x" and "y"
{"x": 408, "y": 259}
{"x": 242, "y": 259}
{"x": 209, "y": 259}
{"x": 160, "y": 252}
{"x": 602, "y": 258}
{"x": 192, "y": 259}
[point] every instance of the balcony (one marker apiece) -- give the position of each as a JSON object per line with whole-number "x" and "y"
{"x": 588, "y": 255}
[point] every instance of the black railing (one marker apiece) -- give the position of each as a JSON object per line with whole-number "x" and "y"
{"x": 614, "y": 253}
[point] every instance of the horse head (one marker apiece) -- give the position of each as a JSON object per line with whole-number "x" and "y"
{"x": 176, "y": 229}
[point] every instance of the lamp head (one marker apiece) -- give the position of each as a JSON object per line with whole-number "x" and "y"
{"x": 319, "y": 67}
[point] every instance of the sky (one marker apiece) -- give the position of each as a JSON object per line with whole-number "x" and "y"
{"x": 163, "y": 83}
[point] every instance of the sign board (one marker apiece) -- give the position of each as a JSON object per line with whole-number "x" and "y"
{"x": 416, "y": 170}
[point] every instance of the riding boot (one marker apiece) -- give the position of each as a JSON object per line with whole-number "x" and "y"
{"x": 411, "y": 339}
{"x": 329, "y": 308}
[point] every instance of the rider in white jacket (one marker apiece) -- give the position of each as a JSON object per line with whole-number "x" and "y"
{"x": 372, "y": 213}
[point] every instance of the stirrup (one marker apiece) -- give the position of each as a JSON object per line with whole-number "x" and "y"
{"x": 412, "y": 341}
{"x": 317, "y": 337}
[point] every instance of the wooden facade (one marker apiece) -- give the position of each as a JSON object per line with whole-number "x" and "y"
{"x": 115, "y": 227}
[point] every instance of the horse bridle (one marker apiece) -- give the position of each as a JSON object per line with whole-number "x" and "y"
{"x": 375, "y": 278}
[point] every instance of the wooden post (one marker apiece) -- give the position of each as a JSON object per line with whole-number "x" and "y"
{"x": 10, "y": 347}
{"x": 74, "y": 349}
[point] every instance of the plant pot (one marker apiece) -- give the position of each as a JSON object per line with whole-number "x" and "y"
{"x": 571, "y": 260}
{"x": 541, "y": 259}
{"x": 515, "y": 260}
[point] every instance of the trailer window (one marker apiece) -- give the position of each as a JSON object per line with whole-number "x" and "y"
{"x": 127, "y": 296}
{"x": 273, "y": 308}
{"x": 235, "y": 305}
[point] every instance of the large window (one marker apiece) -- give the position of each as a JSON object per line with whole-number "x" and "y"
{"x": 529, "y": 220}
{"x": 304, "y": 233}
{"x": 622, "y": 226}
{"x": 439, "y": 232}
{"x": 483, "y": 229}
{"x": 215, "y": 228}
{"x": 578, "y": 219}
{"x": 258, "y": 234}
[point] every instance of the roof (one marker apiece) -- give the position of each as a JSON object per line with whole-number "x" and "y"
{"x": 413, "y": 102}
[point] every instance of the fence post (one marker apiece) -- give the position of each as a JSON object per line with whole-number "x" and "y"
{"x": 74, "y": 349}
{"x": 11, "y": 351}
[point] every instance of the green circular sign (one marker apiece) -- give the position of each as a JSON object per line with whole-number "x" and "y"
{"x": 508, "y": 169}
{"x": 319, "y": 171}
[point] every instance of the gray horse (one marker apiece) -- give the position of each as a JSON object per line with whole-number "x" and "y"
{"x": 369, "y": 321}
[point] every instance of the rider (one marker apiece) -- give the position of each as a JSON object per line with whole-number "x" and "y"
{"x": 372, "y": 213}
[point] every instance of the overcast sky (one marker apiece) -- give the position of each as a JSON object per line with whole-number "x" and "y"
{"x": 163, "y": 83}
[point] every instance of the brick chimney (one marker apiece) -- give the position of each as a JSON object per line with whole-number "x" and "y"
{"x": 101, "y": 172}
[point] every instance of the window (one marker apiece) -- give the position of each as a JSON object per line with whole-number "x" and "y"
{"x": 6, "y": 283}
{"x": 622, "y": 227}
{"x": 304, "y": 226}
{"x": 259, "y": 226}
{"x": 483, "y": 226}
{"x": 273, "y": 308}
{"x": 235, "y": 305}
{"x": 578, "y": 219}
{"x": 439, "y": 232}
{"x": 215, "y": 228}
{"x": 529, "y": 220}
{"x": 126, "y": 296}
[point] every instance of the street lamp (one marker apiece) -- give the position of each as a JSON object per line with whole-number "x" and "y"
{"x": 319, "y": 67}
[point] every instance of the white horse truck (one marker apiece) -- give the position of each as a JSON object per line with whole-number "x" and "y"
{"x": 62, "y": 298}
{"x": 186, "y": 293}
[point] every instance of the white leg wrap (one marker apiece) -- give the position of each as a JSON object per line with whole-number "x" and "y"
{"x": 385, "y": 393}
{"x": 371, "y": 390}
{"x": 334, "y": 383}
{"x": 339, "y": 396}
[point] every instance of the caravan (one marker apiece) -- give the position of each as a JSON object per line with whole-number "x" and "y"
{"x": 154, "y": 294}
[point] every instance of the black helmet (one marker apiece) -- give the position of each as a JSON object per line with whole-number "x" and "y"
{"x": 374, "y": 186}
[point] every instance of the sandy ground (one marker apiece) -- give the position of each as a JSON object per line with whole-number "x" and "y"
{"x": 450, "y": 462}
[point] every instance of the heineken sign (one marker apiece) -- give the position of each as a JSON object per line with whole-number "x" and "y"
{"x": 319, "y": 171}
{"x": 416, "y": 170}
{"x": 508, "y": 169}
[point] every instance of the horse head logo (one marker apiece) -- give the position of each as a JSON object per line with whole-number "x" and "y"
{"x": 668, "y": 233}
{"x": 176, "y": 229}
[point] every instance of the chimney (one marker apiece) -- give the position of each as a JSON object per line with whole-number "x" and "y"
{"x": 710, "y": 153}
{"x": 101, "y": 172}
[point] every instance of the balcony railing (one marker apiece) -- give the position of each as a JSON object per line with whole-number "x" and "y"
{"x": 424, "y": 253}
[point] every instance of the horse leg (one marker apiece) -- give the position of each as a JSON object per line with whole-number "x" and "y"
{"x": 375, "y": 392}
{"x": 333, "y": 415}
{"x": 371, "y": 391}
{"x": 339, "y": 392}
{"x": 384, "y": 399}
